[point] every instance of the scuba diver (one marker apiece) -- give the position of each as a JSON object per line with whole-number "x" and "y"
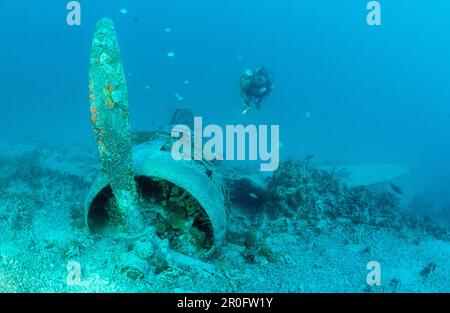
{"x": 255, "y": 86}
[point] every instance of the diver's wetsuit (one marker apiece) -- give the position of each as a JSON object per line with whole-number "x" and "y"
{"x": 255, "y": 87}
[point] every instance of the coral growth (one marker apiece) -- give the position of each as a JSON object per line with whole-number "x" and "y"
{"x": 300, "y": 190}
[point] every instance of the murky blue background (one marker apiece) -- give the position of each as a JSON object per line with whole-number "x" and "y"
{"x": 374, "y": 94}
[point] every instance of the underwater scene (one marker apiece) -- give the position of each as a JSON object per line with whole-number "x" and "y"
{"x": 185, "y": 146}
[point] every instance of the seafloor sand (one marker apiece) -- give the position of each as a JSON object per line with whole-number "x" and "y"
{"x": 42, "y": 189}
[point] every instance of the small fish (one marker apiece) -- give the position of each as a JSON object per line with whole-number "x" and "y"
{"x": 186, "y": 82}
{"x": 124, "y": 11}
{"x": 252, "y": 195}
{"x": 167, "y": 29}
{"x": 171, "y": 54}
{"x": 179, "y": 97}
{"x": 396, "y": 188}
{"x": 308, "y": 114}
{"x": 147, "y": 87}
{"x": 309, "y": 157}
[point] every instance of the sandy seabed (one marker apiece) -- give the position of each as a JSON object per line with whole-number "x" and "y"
{"x": 42, "y": 191}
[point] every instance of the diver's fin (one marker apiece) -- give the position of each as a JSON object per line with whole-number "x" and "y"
{"x": 246, "y": 107}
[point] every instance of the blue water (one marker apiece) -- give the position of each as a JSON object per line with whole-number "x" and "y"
{"x": 344, "y": 91}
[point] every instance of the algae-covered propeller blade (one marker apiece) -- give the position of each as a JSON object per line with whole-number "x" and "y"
{"x": 109, "y": 113}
